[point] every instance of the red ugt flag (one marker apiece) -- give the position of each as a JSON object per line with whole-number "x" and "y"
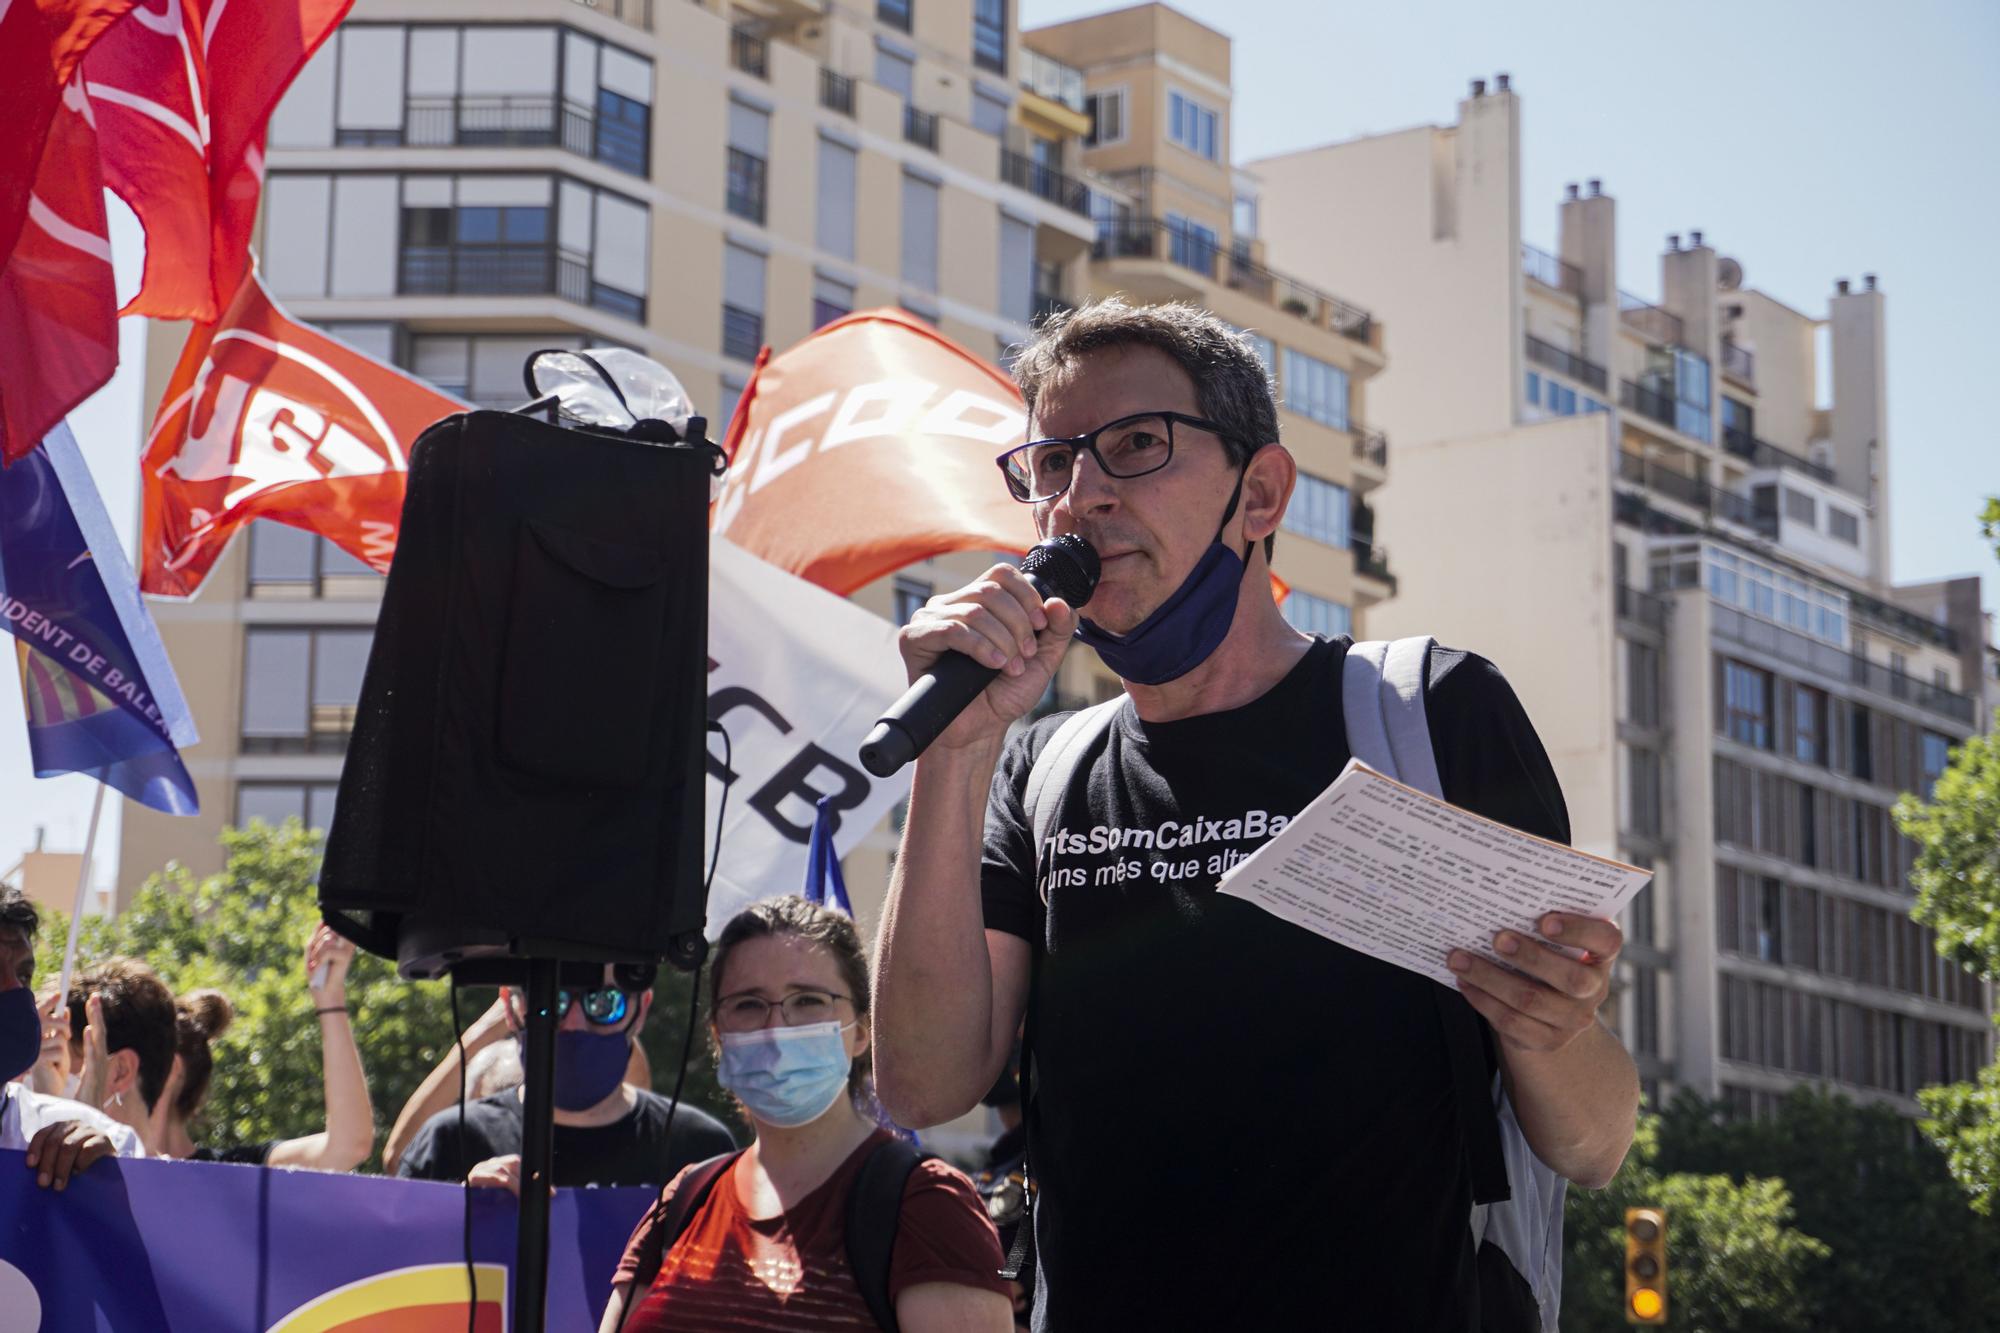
{"x": 265, "y": 418}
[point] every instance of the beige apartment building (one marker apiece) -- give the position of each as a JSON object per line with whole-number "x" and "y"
{"x": 1679, "y": 554}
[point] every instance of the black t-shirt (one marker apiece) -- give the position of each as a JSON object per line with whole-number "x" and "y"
{"x": 636, "y": 1150}
{"x": 243, "y": 1154}
{"x": 1332, "y": 1191}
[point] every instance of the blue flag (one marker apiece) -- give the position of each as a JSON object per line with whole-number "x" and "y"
{"x": 101, "y": 698}
{"x": 824, "y": 882}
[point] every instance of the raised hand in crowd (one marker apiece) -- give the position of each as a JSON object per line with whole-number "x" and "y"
{"x": 349, "y": 1135}
{"x": 52, "y": 1075}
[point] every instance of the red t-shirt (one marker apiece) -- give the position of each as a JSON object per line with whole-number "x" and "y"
{"x": 731, "y": 1271}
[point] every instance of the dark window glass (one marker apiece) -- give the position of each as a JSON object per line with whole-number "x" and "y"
{"x": 624, "y": 129}
{"x": 479, "y": 225}
{"x": 1747, "y": 704}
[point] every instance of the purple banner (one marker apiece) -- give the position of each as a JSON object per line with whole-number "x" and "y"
{"x": 210, "y": 1248}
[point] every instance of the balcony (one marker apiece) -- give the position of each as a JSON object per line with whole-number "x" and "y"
{"x": 1198, "y": 252}
{"x": 1557, "y": 274}
{"x": 1839, "y": 664}
{"x": 1045, "y": 76}
{"x": 742, "y": 333}
{"x": 836, "y": 92}
{"x": 920, "y": 127}
{"x": 633, "y": 13}
{"x": 1551, "y": 357}
{"x": 1908, "y": 624}
{"x": 1661, "y": 327}
{"x": 1648, "y": 403}
{"x": 1762, "y": 454}
{"x": 517, "y": 122}
{"x": 493, "y": 270}
{"x": 1371, "y": 448}
{"x": 749, "y": 52}
{"x": 1372, "y": 562}
{"x": 1739, "y": 363}
{"x": 1645, "y": 608}
{"x": 1044, "y": 182}
{"x": 1696, "y": 493}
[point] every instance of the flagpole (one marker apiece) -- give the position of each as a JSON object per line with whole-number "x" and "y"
{"x": 82, "y": 893}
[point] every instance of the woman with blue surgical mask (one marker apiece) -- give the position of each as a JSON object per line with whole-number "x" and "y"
{"x": 759, "y": 1238}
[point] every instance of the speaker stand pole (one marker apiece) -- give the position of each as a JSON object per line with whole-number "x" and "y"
{"x": 531, "y": 1248}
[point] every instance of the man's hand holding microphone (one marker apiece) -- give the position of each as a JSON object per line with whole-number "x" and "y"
{"x": 982, "y": 656}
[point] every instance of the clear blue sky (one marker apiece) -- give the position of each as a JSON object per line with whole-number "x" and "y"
{"x": 1810, "y": 140}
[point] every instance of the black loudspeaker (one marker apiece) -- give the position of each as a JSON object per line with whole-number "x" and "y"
{"x": 525, "y": 775}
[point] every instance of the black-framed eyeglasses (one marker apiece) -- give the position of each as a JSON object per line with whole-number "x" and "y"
{"x": 1041, "y": 470}
{"x": 606, "y": 1006}
{"x": 746, "y": 1011}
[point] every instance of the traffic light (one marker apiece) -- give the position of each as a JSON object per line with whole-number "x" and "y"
{"x": 1645, "y": 1266}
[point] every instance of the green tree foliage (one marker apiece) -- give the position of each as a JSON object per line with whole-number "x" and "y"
{"x": 1736, "y": 1261}
{"x": 1907, "y": 1252}
{"x": 244, "y": 932}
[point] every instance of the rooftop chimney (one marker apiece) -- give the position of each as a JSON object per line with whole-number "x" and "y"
{"x": 1841, "y": 286}
{"x": 1596, "y": 187}
{"x": 1869, "y": 279}
{"x": 1569, "y": 191}
{"x": 1502, "y": 82}
{"x": 1673, "y": 240}
{"x": 1479, "y": 87}
{"x": 1694, "y": 238}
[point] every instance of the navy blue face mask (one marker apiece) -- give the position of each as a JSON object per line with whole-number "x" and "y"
{"x": 20, "y": 1032}
{"x": 1185, "y": 629}
{"x": 589, "y": 1066}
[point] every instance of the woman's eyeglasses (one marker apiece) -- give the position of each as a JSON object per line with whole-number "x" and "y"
{"x": 746, "y": 1012}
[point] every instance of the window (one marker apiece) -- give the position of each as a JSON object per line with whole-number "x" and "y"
{"x": 1738, "y": 417}
{"x": 742, "y": 302}
{"x": 1315, "y": 389}
{"x": 749, "y": 155}
{"x": 1316, "y": 615}
{"x": 1642, "y": 684}
{"x": 725, "y": 407}
{"x": 989, "y": 35}
{"x": 1809, "y": 725}
{"x": 1747, "y": 704}
{"x": 910, "y": 596}
{"x": 1843, "y": 526}
{"x": 1192, "y": 125}
{"x": 1934, "y": 757}
{"x": 989, "y": 112}
{"x": 1017, "y": 270}
{"x": 920, "y": 232}
{"x": 895, "y": 13}
{"x": 1691, "y": 414}
{"x": 1243, "y": 219}
{"x": 1533, "y": 391}
{"x": 1191, "y": 245}
{"x": 1266, "y": 351}
{"x": 895, "y": 71}
{"x": 1801, "y": 508}
{"x": 1107, "y": 117}
{"x": 831, "y": 299}
{"x": 1319, "y": 511}
{"x": 1644, "y": 795}
{"x": 301, "y": 688}
{"x": 1770, "y": 919}
{"x": 311, "y": 803}
{"x": 1646, "y": 1010}
{"x": 483, "y": 369}
{"x": 288, "y": 562}
{"x": 834, "y": 229}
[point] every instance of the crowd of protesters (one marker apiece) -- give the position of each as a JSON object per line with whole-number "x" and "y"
{"x": 123, "y": 1068}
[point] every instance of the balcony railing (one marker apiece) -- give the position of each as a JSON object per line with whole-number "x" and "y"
{"x": 512, "y": 122}
{"x": 920, "y": 127}
{"x": 1839, "y": 664}
{"x": 749, "y": 52}
{"x": 836, "y": 92}
{"x": 1048, "y": 77}
{"x": 1371, "y": 561}
{"x": 1371, "y": 447}
{"x": 1739, "y": 362}
{"x": 1657, "y": 325}
{"x": 1045, "y": 182}
{"x": 745, "y": 194}
{"x": 637, "y": 13}
{"x": 1644, "y": 607}
{"x": 1568, "y": 363}
{"x": 1648, "y": 403}
{"x": 1696, "y": 493}
{"x": 742, "y": 333}
{"x": 1896, "y": 620}
{"x": 1762, "y": 454}
{"x": 1151, "y": 238}
{"x": 1546, "y": 269}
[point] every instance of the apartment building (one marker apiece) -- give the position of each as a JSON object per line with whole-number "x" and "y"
{"x": 449, "y": 189}
{"x": 1641, "y": 508}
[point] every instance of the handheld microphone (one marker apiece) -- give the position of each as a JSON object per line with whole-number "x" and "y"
{"x": 1064, "y": 567}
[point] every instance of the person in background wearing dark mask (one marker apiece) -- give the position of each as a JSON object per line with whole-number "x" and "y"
{"x": 607, "y": 1131}
{"x": 61, "y": 1137}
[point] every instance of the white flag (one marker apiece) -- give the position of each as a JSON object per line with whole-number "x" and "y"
{"x": 798, "y": 676}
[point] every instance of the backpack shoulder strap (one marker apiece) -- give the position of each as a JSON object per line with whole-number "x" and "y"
{"x": 1053, "y": 768}
{"x": 676, "y": 1209}
{"x": 874, "y": 1213}
{"x": 1382, "y": 701}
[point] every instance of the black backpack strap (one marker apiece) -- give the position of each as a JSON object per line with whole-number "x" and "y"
{"x": 874, "y": 1214}
{"x": 1472, "y": 1090}
{"x": 675, "y": 1210}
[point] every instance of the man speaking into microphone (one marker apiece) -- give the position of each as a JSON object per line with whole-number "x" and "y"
{"x": 1232, "y": 1122}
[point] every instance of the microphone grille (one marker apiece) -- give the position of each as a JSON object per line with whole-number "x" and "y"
{"x": 1066, "y": 565}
